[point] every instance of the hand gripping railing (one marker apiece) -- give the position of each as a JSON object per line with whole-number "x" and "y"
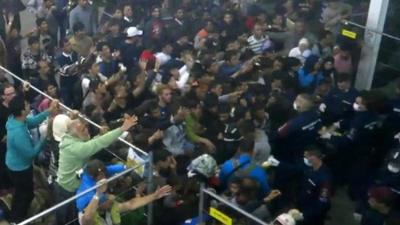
{"x": 69, "y": 200}
{"x": 149, "y": 160}
{"x": 70, "y": 110}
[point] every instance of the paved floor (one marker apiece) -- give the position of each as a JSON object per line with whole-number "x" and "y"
{"x": 342, "y": 210}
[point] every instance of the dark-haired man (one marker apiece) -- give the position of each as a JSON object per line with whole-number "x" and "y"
{"x": 66, "y": 62}
{"x": 81, "y": 43}
{"x": 7, "y": 93}
{"x": 84, "y": 12}
{"x": 32, "y": 56}
{"x": 108, "y": 65}
{"x": 21, "y": 151}
{"x": 338, "y": 104}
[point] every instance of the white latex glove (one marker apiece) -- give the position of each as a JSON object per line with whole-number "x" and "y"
{"x": 322, "y": 107}
{"x": 397, "y": 136}
{"x": 271, "y": 162}
{"x": 326, "y": 136}
{"x": 357, "y": 217}
{"x": 122, "y": 68}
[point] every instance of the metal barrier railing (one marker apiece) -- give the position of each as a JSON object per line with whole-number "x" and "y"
{"x": 148, "y": 161}
{"x": 69, "y": 200}
{"x": 204, "y": 192}
{"x": 70, "y": 110}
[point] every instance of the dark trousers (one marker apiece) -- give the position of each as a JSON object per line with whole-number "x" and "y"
{"x": 5, "y": 182}
{"x": 23, "y": 195}
{"x": 66, "y": 87}
{"x": 66, "y": 213}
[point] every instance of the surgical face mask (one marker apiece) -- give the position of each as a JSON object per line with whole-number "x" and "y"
{"x": 307, "y": 161}
{"x": 392, "y": 168}
{"x": 296, "y": 106}
{"x": 356, "y": 107}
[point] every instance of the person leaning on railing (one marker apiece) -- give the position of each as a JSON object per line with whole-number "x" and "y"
{"x": 76, "y": 147}
{"x": 98, "y": 202}
{"x": 21, "y": 151}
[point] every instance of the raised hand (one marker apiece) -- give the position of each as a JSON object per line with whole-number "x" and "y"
{"x": 129, "y": 121}
{"x": 162, "y": 192}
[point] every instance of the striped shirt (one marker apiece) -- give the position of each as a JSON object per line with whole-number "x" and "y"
{"x": 256, "y": 44}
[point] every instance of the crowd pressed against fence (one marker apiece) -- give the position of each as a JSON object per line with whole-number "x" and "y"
{"x": 255, "y": 99}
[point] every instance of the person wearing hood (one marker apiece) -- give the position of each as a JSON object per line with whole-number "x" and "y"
{"x": 21, "y": 151}
{"x": 310, "y": 76}
{"x": 76, "y": 147}
{"x": 302, "y": 51}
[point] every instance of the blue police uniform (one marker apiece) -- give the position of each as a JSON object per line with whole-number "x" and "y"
{"x": 297, "y": 134}
{"x": 356, "y": 147}
{"x": 314, "y": 199}
{"x": 339, "y": 104}
{"x": 358, "y": 131}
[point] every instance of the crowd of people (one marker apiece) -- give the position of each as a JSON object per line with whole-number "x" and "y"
{"x": 254, "y": 99}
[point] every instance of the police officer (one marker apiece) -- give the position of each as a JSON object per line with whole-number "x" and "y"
{"x": 356, "y": 141}
{"x": 338, "y": 104}
{"x": 313, "y": 194}
{"x": 314, "y": 199}
{"x": 301, "y": 131}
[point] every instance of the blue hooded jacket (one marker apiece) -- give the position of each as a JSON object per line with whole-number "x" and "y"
{"x": 258, "y": 173}
{"x": 20, "y": 147}
{"x": 307, "y": 80}
{"x": 87, "y": 182}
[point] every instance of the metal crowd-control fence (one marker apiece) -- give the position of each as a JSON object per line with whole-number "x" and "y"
{"x": 70, "y": 110}
{"x": 148, "y": 161}
{"x": 69, "y": 200}
{"x": 203, "y": 194}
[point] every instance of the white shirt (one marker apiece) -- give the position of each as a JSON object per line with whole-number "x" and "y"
{"x": 256, "y": 44}
{"x": 295, "y": 52}
{"x": 183, "y": 77}
{"x": 162, "y": 58}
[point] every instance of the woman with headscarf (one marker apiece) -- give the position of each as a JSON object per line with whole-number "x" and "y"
{"x": 310, "y": 75}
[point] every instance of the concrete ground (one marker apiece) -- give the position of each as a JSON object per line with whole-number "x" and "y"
{"x": 342, "y": 209}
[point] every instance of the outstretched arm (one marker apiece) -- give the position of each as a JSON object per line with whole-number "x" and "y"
{"x": 138, "y": 202}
